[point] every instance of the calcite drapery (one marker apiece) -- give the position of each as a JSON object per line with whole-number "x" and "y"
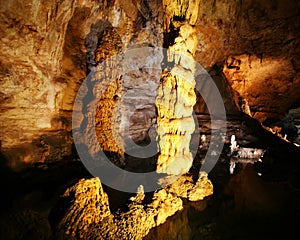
{"x": 176, "y": 96}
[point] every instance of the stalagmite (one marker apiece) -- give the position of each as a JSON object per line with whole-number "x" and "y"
{"x": 176, "y": 96}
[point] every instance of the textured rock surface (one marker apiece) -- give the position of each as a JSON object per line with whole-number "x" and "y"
{"x": 36, "y": 72}
{"x": 43, "y": 62}
{"x": 264, "y": 36}
{"x": 176, "y": 95}
{"x": 87, "y": 214}
{"x": 89, "y": 202}
{"x": 124, "y": 83}
{"x": 186, "y": 188}
{"x": 253, "y": 80}
{"x": 137, "y": 104}
{"x": 250, "y": 47}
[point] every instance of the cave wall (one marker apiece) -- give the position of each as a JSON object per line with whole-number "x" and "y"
{"x": 251, "y": 47}
{"x": 43, "y": 63}
{"x": 256, "y": 45}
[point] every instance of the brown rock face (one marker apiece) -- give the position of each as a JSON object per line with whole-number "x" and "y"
{"x": 90, "y": 203}
{"x": 45, "y": 57}
{"x": 255, "y": 43}
{"x": 264, "y": 87}
{"x": 36, "y": 72}
{"x": 104, "y": 86}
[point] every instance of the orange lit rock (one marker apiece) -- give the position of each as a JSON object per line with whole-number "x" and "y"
{"x": 186, "y": 188}
{"x": 43, "y": 62}
{"x": 263, "y": 87}
{"x": 87, "y": 214}
{"x": 89, "y": 205}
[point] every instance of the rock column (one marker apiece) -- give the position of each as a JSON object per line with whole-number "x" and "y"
{"x": 176, "y": 96}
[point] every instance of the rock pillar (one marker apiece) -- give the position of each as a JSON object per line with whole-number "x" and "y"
{"x": 176, "y": 96}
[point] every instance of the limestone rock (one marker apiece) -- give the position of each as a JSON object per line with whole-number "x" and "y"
{"x": 249, "y": 76}
{"x": 89, "y": 205}
{"x": 201, "y": 189}
{"x": 174, "y": 164}
{"x": 45, "y": 56}
{"x": 184, "y": 9}
{"x": 47, "y": 44}
{"x": 164, "y": 204}
{"x": 176, "y": 96}
{"x": 88, "y": 215}
{"x": 185, "y": 187}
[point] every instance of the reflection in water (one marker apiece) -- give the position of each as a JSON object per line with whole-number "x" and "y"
{"x": 178, "y": 226}
{"x": 243, "y": 207}
{"x": 252, "y": 194}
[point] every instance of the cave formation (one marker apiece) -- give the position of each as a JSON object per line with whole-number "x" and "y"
{"x": 150, "y": 118}
{"x": 176, "y": 95}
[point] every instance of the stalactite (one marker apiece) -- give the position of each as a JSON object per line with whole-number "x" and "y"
{"x": 176, "y": 96}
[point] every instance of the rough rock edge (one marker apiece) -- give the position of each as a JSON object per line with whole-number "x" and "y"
{"x": 88, "y": 215}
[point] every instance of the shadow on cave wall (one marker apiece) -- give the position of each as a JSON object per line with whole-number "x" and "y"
{"x": 225, "y": 90}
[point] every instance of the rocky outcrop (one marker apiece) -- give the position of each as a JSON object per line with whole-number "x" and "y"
{"x": 186, "y": 188}
{"x": 123, "y": 83}
{"x": 39, "y": 75}
{"x": 89, "y": 202}
{"x": 83, "y": 212}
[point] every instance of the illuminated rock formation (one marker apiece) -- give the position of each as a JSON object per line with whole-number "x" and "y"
{"x": 89, "y": 203}
{"x": 87, "y": 215}
{"x": 176, "y": 96}
{"x": 186, "y": 188}
{"x": 250, "y": 48}
{"x": 107, "y": 89}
